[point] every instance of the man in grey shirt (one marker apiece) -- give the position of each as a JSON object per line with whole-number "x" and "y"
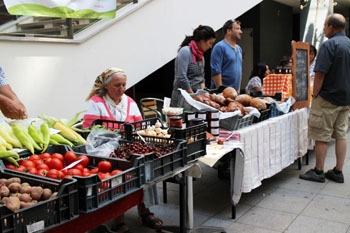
{"x": 331, "y": 97}
{"x": 10, "y": 105}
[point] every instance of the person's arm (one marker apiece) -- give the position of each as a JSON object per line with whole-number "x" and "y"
{"x": 202, "y": 85}
{"x": 318, "y": 82}
{"x": 216, "y": 60}
{"x": 11, "y": 108}
{"x": 181, "y": 67}
{"x": 217, "y": 80}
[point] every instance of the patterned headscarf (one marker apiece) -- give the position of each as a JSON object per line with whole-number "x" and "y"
{"x": 103, "y": 77}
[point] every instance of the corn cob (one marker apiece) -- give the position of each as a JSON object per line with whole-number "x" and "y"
{"x": 8, "y": 135}
{"x": 66, "y": 132}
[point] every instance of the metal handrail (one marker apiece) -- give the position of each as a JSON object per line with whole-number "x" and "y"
{"x": 69, "y": 27}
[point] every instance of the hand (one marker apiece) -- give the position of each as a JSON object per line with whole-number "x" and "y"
{"x": 13, "y": 109}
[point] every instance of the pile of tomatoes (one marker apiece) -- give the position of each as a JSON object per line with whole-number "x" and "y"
{"x": 52, "y": 166}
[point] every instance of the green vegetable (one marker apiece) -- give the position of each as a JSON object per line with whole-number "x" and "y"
{"x": 23, "y": 136}
{"x": 45, "y": 130}
{"x": 60, "y": 139}
{"x": 54, "y": 142}
{"x": 12, "y": 160}
{"x": 75, "y": 119}
{"x": 35, "y": 133}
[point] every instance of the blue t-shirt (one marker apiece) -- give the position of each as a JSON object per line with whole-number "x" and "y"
{"x": 3, "y": 79}
{"x": 227, "y": 61}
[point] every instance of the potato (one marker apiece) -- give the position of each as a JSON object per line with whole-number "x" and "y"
{"x": 36, "y": 192}
{"x": 13, "y": 203}
{"x": 46, "y": 194}
{"x": 25, "y": 184}
{"x": 53, "y": 195}
{"x": 25, "y": 197}
{"x": 15, "y": 194}
{"x": 13, "y": 180}
{"x": 25, "y": 189}
{"x": 26, "y": 204}
{"x": 4, "y": 191}
{"x": 15, "y": 187}
{"x": 3, "y": 200}
{"x": 3, "y": 181}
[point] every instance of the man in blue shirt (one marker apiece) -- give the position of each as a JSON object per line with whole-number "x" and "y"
{"x": 331, "y": 98}
{"x": 10, "y": 105}
{"x": 226, "y": 58}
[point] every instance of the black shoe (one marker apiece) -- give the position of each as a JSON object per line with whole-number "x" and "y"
{"x": 331, "y": 175}
{"x": 312, "y": 176}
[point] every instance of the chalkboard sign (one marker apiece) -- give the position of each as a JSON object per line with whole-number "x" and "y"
{"x": 300, "y": 71}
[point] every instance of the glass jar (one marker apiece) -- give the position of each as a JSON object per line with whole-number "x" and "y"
{"x": 175, "y": 122}
{"x": 202, "y": 115}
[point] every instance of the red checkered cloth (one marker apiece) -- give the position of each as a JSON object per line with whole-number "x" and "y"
{"x": 275, "y": 83}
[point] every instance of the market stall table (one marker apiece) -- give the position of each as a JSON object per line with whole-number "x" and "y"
{"x": 263, "y": 150}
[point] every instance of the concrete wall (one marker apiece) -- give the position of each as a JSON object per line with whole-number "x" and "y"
{"x": 55, "y": 78}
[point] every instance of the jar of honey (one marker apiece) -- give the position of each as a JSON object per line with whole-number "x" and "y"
{"x": 175, "y": 122}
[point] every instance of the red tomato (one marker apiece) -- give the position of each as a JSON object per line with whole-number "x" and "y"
{"x": 10, "y": 166}
{"x": 45, "y": 156}
{"x": 94, "y": 170}
{"x": 80, "y": 167}
{"x": 85, "y": 174}
{"x": 37, "y": 162}
{"x": 28, "y": 163}
{"x": 42, "y": 172}
{"x": 46, "y": 161}
{"x": 114, "y": 172}
{"x": 70, "y": 157}
{"x": 74, "y": 172}
{"x": 42, "y": 166}
{"x": 32, "y": 170}
{"x": 105, "y": 176}
{"x": 85, "y": 170}
{"x": 55, "y": 163}
{"x": 21, "y": 168}
{"x": 60, "y": 175}
{"x": 68, "y": 176}
{"x": 104, "y": 166}
{"x": 85, "y": 161}
{"x": 34, "y": 157}
{"x": 58, "y": 156}
{"x": 52, "y": 173}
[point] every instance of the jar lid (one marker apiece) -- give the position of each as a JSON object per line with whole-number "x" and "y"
{"x": 188, "y": 112}
{"x": 202, "y": 111}
{"x": 212, "y": 110}
{"x": 175, "y": 118}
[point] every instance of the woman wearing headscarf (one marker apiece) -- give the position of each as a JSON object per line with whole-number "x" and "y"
{"x": 189, "y": 63}
{"x": 107, "y": 101}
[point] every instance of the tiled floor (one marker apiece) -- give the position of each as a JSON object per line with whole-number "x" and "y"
{"x": 284, "y": 203}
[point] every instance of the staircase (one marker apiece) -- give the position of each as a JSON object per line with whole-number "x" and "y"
{"x": 46, "y": 26}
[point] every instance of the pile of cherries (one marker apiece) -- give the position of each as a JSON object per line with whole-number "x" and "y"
{"x": 126, "y": 150}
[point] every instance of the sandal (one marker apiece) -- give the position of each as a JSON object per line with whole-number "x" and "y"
{"x": 151, "y": 221}
{"x": 119, "y": 228}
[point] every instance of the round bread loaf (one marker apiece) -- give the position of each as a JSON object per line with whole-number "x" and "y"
{"x": 258, "y": 104}
{"x": 229, "y": 92}
{"x": 244, "y": 99}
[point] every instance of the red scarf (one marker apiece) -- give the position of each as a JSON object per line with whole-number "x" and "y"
{"x": 197, "y": 53}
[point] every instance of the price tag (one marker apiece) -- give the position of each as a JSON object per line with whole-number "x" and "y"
{"x": 36, "y": 226}
{"x": 89, "y": 192}
{"x": 117, "y": 181}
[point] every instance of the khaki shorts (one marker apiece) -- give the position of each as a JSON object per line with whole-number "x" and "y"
{"x": 327, "y": 120}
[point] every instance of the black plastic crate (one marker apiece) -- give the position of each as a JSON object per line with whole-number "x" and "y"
{"x": 236, "y": 122}
{"x": 45, "y": 214}
{"x": 264, "y": 115}
{"x": 94, "y": 193}
{"x": 195, "y": 136}
{"x": 158, "y": 167}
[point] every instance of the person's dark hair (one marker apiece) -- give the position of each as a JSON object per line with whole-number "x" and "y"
{"x": 228, "y": 25}
{"x": 259, "y": 70}
{"x": 284, "y": 60}
{"x": 313, "y": 49}
{"x": 336, "y": 22}
{"x": 200, "y": 33}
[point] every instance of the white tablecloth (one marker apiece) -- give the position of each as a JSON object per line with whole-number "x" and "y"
{"x": 272, "y": 145}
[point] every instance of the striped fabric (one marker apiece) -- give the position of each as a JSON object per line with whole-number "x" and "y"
{"x": 97, "y": 109}
{"x": 275, "y": 83}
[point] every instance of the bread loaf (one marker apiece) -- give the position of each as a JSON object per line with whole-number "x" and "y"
{"x": 217, "y": 98}
{"x": 234, "y": 106}
{"x": 229, "y": 92}
{"x": 258, "y": 103}
{"x": 244, "y": 99}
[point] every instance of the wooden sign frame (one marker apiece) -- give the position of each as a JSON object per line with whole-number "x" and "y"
{"x": 300, "y": 46}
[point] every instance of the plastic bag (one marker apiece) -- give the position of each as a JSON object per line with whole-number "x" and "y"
{"x": 101, "y": 142}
